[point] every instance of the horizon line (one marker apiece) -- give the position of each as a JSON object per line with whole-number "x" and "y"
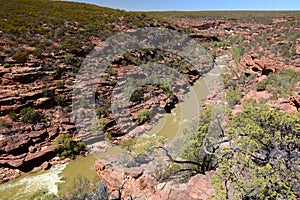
{"x": 270, "y": 10}
{"x": 205, "y": 10}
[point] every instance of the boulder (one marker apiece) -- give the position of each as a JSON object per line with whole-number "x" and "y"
{"x": 46, "y": 165}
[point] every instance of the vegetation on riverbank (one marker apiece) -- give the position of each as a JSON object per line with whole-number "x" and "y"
{"x": 65, "y": 147}
{"x": 82, "y": 189}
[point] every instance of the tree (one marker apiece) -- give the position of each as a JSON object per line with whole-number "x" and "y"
{"x": 262, "y": 160}
{"x": 256, "y": 153}
{"x": 195, "y": 149}
{"x": 201, "y": 149}
{"x": 233, "y": 96}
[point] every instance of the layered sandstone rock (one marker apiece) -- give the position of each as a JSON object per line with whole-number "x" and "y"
{"x": 139, "y": 182}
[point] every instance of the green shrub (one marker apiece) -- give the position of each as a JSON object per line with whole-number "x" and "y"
{"x": 143, "y": 116}
{"x": 261, "y": 86}
{"x": 168, "y": 91}
{"x": 4, "y": 123}
{"x": 233, "y": 96}
{"x": 227, "y": 80}
{"x": 59, "y": 85}
{"x": 47, "y": 93}
{"x": 69, "y": 59}
{"x": 59, "y": 100}
{"x": 281, "y": 83}
{"x": 259, "y": 163}
{"x": 13, "y": 115}
{"x": 128, "y": 144}
{"x": 100, "y": 111}
{"x": 194, "y": 143}
{"x": 29, "y": 115}
{"x": 42, "y": 194}
{"x": 6, "y": 65}
{"x": 111, "y": 72}
{"x": 84, "y": 188}
{"x": 103, "y": 122}
{"x": 136, "y": 96}
{"x": 66, "y": 147}
{"x": 107, "y": 136}
{"x": 237, "y": 52}
{"x": 20, "y": 56}
{"x": 235, "y": 39}
{"x": 38, "y": 53}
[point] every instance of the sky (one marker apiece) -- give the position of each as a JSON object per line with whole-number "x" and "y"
{"x": 196, "y": 5}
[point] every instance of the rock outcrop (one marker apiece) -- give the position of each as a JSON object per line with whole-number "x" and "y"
{"x": 8, "y": 174}
{"x": 252, "y": 64}
{"x": 139, "y": 182}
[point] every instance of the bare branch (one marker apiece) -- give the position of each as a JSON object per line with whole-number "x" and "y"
{"x": 179, "y": 161}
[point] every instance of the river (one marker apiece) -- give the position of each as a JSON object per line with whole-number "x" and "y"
{"x": 58, "y": 179}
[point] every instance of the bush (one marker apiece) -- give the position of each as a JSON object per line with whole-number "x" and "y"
{"x": 136, "y": 96}
{"x": 20, "y": 56}
{"x": 13, "y": 115}
{"x": 233, "y": 96}
{"x": 103, "y": 122}
{"x": 100, "y": 111}
{"x": 107, "y": 136}
{"x": 6, "y": 65}
{"x": 128, "y": 144}
{"x": 59, "y": 100}
{"x": 42, "y": 194}
{"x": 227, "y": 80}
{"x": 83, "y": 188}
{"x": 281, "y": 83}
{"x": 143, "y": 116}
{"x": 47, "y": 93}
{"x": 66, "y": 147}
{"x": 168, "y": 91}
{"x": 69, "y": 59}
{"x": 59, "y": 85}
{"x": 111, "y": 72}
{"x": 237, "y": 53}
{"x": 194, "y": 144}
{"x": 261, "y": 86}
{"x": 29, "y": 115}
{"x": 4, "y": 123}
{"x": 262, "y": 160}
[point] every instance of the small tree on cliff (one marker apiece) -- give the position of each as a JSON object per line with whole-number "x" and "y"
{"x": 257, "y": 154}
{"x": 263, "y": 159}
{"x": 199, "y": 148}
